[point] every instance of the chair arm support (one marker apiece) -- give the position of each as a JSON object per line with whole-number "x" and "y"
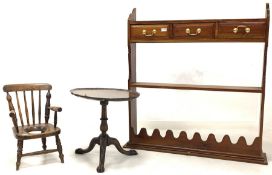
{"x": 12, "y": 114}
{"x": 55, "y": 108}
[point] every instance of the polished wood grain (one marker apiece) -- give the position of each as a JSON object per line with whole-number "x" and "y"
{"x": 198, "y": 40}
{"x": 207, "y": 30}
{"x": 34, "y": 130}
{"x": 220, "y": 30}
{"x": 213, "y": 30}
{"x": 257, "y": 30}
{"x": 134, "y": 21}
{"x": 161, "y": 31}
{"x": 267, "y": 15}
{"x": 197, "y": 87}
{"x": 196, "y": 146}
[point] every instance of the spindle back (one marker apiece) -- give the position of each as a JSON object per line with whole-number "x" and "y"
{"x": 22, "y": 93}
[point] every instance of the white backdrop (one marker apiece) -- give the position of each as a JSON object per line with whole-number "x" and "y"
{"x": 82, "y": 43}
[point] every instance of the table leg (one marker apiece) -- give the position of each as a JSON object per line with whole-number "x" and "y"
{"x": 103, "y": 145}
{"x": 93, "y": 142}
{"x": 115, "y": 142}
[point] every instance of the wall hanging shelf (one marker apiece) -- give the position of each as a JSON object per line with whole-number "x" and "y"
{"x": 177, "y": 31}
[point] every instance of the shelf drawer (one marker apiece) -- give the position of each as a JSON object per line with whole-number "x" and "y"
{"x": 149, "y": 32}
{"x": 243, "y": 30}
{"x": 194, "y": 30}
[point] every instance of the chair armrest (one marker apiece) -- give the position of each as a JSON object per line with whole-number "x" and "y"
{"x": 55, "y": 108}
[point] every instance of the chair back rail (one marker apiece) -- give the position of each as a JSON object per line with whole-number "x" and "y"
{"x": 23, "y": 90}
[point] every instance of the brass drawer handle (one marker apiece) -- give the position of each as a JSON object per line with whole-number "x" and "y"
{"x": 188, "y": 31}
{"x": 144, "y": 32}
{"x": 236, "y": 29}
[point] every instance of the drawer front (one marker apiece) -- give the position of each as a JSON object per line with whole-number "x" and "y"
{"x": 194, "y": 30}
{"x": 241, "y": 30}
{"x": 149, "y": 32}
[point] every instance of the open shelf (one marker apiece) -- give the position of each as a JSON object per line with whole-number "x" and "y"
{"x": 184, "y": 31}
{"x": 197, "y": 87}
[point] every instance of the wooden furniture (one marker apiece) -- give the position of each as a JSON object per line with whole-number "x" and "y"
{"x": 216, "y": 30}
{"x": 104, "y": 96}
{"x": 32, "y": 126}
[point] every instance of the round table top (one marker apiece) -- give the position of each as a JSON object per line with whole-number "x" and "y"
{"x": 101, "y": 94}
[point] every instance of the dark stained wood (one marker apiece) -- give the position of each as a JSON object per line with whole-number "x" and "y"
{"x": 12, "y": 113}
{"x": 216, "y": 29}
{"x": 104, "y": 139}
{"x": 59, "y": 148}
{"x": 20, "y": 144}
{"x": 44, "y": 146}
{"x": 199, "y": 40}
{"x": 161, "y": 31}
{"x": 257, "y": 29}
{"x": 133, "y": 21}
{"x": 207, "y": 30}
{"x": 220, "y": 30}
{"x": 47, "y": 105}
{"x": 197, "y": 87}
{"x": 213, "y": 30}
{"x": 211, "y": 148}
{"x": 32, "y": 131}
{"x": 264, "y": 72}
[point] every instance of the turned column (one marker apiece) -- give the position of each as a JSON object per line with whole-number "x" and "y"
{"x": 104, "y": 124}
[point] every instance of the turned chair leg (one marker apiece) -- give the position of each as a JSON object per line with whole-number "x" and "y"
{"x": 19, "y": 153}
{"x": 59, "y": 147}
{"x": 44, "y": 143}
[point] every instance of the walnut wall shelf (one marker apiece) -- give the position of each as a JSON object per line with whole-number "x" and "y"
{"x": 215, "y": 30}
